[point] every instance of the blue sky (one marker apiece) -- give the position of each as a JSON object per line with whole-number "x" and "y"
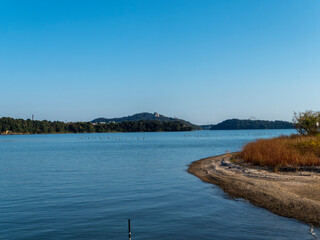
{"x": 204, "y": 61}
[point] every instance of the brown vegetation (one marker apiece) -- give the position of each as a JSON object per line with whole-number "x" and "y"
{"x": 285, "y": 151}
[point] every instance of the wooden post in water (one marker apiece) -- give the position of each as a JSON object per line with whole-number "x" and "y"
{"x": 129, "y": 229}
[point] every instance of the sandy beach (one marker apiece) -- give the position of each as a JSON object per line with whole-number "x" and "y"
{"x": 293, "y": 194}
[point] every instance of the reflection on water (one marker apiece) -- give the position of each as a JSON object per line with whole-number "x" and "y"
{"x": 86, "y": 186}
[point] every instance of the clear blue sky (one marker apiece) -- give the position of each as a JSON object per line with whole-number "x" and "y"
{"x": 203, "y": 61}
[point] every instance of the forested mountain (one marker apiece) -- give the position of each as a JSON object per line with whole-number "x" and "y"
{"x": 20, "y": 126}
{"x": 131, "y": 124}
{"x": 235, "y": 124}
{"x": 145, "y": 117}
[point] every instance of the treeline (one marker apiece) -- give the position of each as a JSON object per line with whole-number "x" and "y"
{"x": 235, "y": 124}
{"x": 21, "y": 126}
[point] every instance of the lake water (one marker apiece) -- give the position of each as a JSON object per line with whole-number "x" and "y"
{"x": 86, "y": 186}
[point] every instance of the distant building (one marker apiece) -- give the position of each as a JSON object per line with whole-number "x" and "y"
{"x": 156, "y": 114}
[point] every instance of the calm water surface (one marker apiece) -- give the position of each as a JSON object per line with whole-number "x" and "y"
{"x": 86, "y": 186}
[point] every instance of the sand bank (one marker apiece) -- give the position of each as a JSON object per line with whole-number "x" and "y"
{"x": 294, "y": 194}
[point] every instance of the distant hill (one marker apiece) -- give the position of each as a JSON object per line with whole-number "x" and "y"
{"x": 145, "y": 117}
{"x": 235, "y": 124}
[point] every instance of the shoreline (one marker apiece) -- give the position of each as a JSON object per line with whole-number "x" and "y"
{"x": 12, "y": 134}
{"x": 292, "y": 194}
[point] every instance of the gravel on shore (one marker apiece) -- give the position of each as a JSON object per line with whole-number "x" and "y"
{"x": 293, "y": 194}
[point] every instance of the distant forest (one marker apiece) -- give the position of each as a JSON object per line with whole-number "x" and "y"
{"x": 21, "y": 126}
{"x": 235, "y": 124}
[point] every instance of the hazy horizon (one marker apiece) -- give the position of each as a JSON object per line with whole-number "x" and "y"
{"x": 201, "y": 61}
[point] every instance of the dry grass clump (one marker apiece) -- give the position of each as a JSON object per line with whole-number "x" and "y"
{"x": 292, "y": 151}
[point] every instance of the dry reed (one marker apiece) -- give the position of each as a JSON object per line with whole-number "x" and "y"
{"x": 285, "y": 151}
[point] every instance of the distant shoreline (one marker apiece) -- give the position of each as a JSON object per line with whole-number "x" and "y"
{"x": 140, "y": 122}
{"x": 10, "y": 134}
{"x": 289, "y": 194}
{"x": 18, "y": 126}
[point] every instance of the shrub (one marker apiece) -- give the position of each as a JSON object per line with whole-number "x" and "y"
{"x": 307, "y": 123}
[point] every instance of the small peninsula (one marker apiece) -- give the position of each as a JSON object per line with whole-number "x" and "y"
{"x": 280, "y": 174}
{"x": 245, "y": 124}
{"x": 293, "y": 194}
